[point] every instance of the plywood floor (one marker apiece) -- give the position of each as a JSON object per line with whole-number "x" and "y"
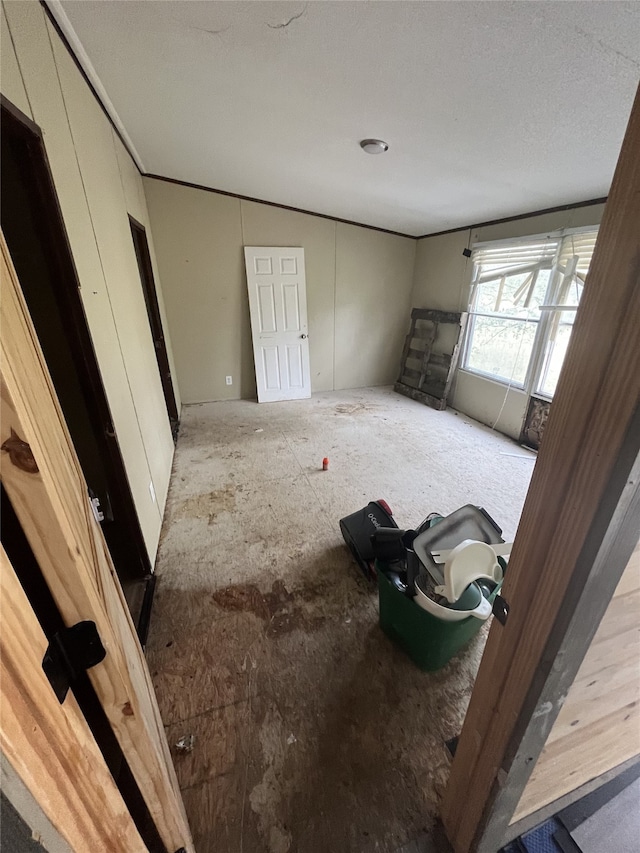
{"x": 313, "y": 733}
{"x": 598, "y": 727}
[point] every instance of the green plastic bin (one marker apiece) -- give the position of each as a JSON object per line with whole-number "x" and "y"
{"x": 430, "y": 642}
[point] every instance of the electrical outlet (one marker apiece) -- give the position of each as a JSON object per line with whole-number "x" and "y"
{"x": 152, "y": 492}
{"x": 229, "y": 380}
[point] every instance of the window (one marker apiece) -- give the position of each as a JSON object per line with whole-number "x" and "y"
{"x": 571, "y": 271}
{"x": 523, "y": 302}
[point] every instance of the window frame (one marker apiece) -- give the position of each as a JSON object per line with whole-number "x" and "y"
{"x": 535, "y": 367}
{"x": 511, "y": 383}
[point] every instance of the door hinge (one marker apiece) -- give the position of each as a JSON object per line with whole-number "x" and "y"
{"x": 500, "y": 609}
{"x": 71, "y": 652}
{"x": 94, "y": 500}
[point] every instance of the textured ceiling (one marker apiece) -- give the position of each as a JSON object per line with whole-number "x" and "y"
{"x": 490, "y": 109}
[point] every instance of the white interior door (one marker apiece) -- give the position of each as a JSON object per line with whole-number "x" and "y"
{"x": 278, "y": 304}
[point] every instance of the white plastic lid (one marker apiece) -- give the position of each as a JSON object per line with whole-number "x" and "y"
{"x": 467, "y": 562}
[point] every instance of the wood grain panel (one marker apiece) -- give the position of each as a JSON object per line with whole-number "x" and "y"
{"x": 54, "y": 511}
{"x": 576, "y": 759}
{"x": 49, "y": 745}
{"x": 598, "y": 727}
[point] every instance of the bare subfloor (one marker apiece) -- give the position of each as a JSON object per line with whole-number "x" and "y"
{"x": 313, "y": 732}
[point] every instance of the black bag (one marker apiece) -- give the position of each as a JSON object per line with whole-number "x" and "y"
{"x": 358, "y": 528}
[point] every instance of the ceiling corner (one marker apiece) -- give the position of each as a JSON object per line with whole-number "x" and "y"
{"x": 59, "y": 16}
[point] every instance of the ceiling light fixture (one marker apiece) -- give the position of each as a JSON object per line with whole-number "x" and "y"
{"x": 374, "y": 146}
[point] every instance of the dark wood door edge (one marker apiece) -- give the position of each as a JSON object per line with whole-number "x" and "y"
{"x": 148, "y": 284}
{"x": 60, "y": 256}
{"x": 144, "y": 620}
{"x": 22, "y": 119}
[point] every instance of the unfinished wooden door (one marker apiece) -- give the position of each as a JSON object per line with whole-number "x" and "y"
{"x": 43, "y": 479}
{"x": 278, "y": 304}
{"x": 38, "y": 735}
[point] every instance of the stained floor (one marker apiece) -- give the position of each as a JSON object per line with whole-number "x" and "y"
{"x": 313, "y": 733}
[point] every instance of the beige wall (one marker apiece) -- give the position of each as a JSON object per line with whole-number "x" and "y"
{"x": 373, "y": 305}
{"x": 10, "y": 77}
{"x": 442, "y": 279}
{"x": 358, "y": 290}
{"x": 97, "y": 185}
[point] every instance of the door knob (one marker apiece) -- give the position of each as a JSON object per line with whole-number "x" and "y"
{"x": 304, "y": 336}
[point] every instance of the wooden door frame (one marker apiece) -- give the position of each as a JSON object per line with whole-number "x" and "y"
{"x": 578, "y": 530}
{"x": 147, "y": 280}
{"x": 67, "y": 291}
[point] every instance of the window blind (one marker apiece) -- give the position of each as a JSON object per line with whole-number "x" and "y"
{"x": 496, "y": 257}
{"x": 582, "y": 245}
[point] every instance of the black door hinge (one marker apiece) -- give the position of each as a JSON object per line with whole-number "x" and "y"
{"x": 500, "y": 609}
{"x": 71, "y": 652}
